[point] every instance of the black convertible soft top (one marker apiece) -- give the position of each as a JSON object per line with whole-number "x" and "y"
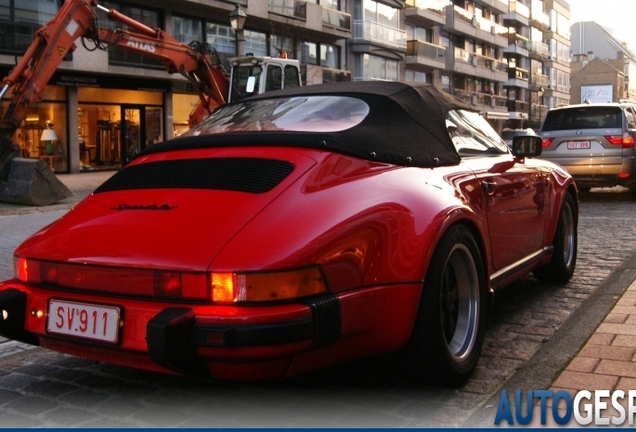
{"x": 406, "y": 125}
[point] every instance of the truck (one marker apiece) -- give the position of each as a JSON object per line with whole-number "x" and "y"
{"x": 198, "y": 62}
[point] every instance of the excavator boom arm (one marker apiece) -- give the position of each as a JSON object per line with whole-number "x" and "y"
{"x": 78, "y": 18}
{"x": 50, "y": 45}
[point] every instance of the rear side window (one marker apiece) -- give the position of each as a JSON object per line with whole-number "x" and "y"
{"x": 631, "y": 122}
{"x": 584, "y": 118}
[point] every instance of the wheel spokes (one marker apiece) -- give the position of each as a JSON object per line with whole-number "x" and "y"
{"x": 450, "y": 302}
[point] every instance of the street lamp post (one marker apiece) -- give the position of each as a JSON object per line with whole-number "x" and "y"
{"x": 237, "y": 21}
{"x": 540, "y": 94}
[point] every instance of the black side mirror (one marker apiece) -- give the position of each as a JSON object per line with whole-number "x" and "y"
{"x": 526, "y": 146}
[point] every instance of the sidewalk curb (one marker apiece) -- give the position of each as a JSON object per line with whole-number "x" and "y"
{"x": 555, "y": 355}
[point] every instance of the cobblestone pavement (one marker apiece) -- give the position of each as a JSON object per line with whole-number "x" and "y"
{"x": 42, "y": 388}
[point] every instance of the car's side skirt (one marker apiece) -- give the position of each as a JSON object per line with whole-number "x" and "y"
{"x": 508, "y": 271}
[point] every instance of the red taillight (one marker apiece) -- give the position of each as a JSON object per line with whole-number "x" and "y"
{"x": 625, "y": 140}
{"x": 20, "y": 269}
{"x": 546, "y": 142}
{"x": 115, "y": 280}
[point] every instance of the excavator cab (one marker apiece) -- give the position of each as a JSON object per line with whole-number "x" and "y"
{"x": 251, "y": 75}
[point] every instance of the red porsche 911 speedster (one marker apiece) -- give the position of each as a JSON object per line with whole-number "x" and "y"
{"x": 299, "y": 229}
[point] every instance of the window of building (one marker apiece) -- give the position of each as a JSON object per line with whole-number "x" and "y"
{"x": 378, "y": 68}
{"x": 420, "y": 34}
{"x": 186, "y": 30}
{"x": 280, "y": 45}
{"x": 19, "y": 19}
{"x": 417, "y": 76}
{"x": 560, "y": 24}
{"x": 121, "y": 56}
{"x": 102, "y": 115}
{"x": 221, "y": 37}
{"x": 331, "y": 4}
{"x": 256, "y": 43}
{"x": 320, "y": 54}
{"x": 48, "y": 113}
{"x": 381, "y": 13}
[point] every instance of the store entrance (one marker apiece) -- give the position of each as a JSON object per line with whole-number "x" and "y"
{"x": 133, "y": 131}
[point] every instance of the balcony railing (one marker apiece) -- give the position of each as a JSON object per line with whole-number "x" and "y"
{"x": 518, "y": 106}
{"x": 477, "y": 98}
{"x": 291, "y": 8}
{"x": 335, "y": 75}
{"x": 538, "y": 47}
{"x": 518, "y": 40}
{"x": 538, "y": 79}
{"x": 335, "y": 18}
{"x": 425, "y": 49}
{"x": 378, "y": 33}
{"x": 537, "y": 13}
{"x": 436, "y": 6}
{"x": 519, "y": 74}
{"x": 516, "y": 7}
{"x": 500, "y": 65}
{"x": 480, "y": 60}
{"x": 463, "y": 55}
{"x": 480, "y": 22}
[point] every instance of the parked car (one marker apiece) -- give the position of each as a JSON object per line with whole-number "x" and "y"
{"x": 509, "y": 134}
{"x": 594, "y": 142}
{"x": 295, "y": 230}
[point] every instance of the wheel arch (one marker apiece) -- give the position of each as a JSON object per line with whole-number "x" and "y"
{"x": 464, "y": 219}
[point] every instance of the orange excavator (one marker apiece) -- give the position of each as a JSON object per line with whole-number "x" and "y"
{"x": 77, "y": 19}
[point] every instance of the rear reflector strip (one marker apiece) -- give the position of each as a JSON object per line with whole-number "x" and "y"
{"x": 125, "y": 281}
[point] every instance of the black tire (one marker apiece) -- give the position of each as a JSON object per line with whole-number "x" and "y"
{"x": 632, "y": 192}
{"x": 561, "y": 267}
{"x": 449, "y": 328}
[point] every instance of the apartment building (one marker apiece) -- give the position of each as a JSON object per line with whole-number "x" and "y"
{"x": 94, "y": 90}
{"x": 509, "y": 58}
{"x": 602, "y": 62}
{"x": 458, "y": 46}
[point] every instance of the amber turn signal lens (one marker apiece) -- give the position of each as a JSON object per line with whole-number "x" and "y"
{"x": 267, "y": 286}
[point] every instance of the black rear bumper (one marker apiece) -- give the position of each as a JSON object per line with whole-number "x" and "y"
{"x": 173, "y": 336}
{"x": 12, "y": 315}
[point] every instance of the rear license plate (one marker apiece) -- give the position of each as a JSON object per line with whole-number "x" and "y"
{"x": 575, "y": 145}
{"x": 88, "y": 321}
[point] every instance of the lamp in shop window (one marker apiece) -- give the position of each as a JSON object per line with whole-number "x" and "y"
{"x": 48, "y": 136}
{"x": 237, "y": 21}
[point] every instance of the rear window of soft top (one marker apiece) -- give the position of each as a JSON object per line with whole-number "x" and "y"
{"x": 583, "y": 118}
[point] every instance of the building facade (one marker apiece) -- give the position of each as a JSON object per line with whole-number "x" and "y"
{"x": 591, "y": 41}
{"x": 596, "y": 81}
{"x": 509, "y": 58}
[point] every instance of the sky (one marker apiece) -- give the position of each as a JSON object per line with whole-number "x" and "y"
{"x": 619, "y": 15}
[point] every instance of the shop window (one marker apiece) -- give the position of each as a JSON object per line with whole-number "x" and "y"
{"x": 115, "y": 125}
{"x": 47, "y": 115}
{"x": 182, "y": 106}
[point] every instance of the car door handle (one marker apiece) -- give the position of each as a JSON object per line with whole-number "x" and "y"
{"x": 488, "y": 187}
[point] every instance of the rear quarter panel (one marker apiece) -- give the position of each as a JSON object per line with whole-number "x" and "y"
{"x": 367, "y": 224}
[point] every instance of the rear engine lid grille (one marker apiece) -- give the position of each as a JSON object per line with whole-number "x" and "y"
{"x": 252, "y": 175}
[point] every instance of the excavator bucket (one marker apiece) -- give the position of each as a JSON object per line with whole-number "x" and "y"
{"x": 8, "y": 151}
{"x": 27, "y": 181}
